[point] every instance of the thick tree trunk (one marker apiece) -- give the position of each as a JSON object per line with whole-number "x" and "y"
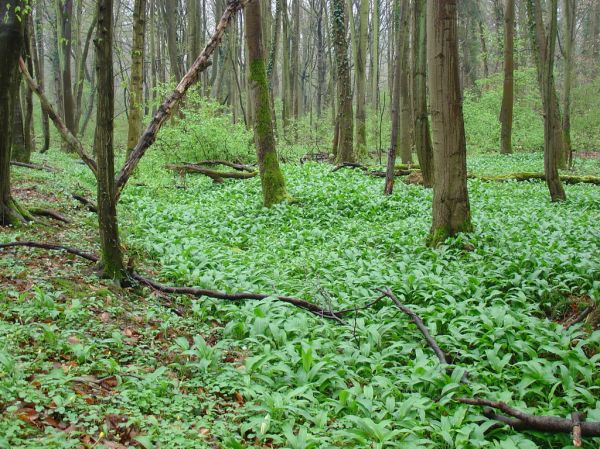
{"x": 137, "y": 71}
{"x": 11, "y": 42}
{"x": 451, "y": 210}
{"x": 361, "y": 80}
{"x": 273, "y": 185}
{"x": 506, "y": 111}
{"x": 544, "y": 46}
{"x": 422, "y": 131}
{"x": 170, "y": 17}
{"x": 111, "y": 261}
{"x": 345, "y": 138}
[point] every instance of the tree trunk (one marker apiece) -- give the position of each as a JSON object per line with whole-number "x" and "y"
{"x": 111, "y": 262}
{"x": 451, "y": 210}
{"x": 405, "y": 100}
{"x": 375, "y": 56}
{"x": 569, "y": 41}
{"x": 170, "y": 16}
{"x": 20, "y": 151}
{"x": 11, "y": 42}
{"x": 361, "y": 80}
{"x": 506, "y": 111}
{"x": 295, "y": 69}
{"x": 137, "y": 71}
{"x": 285, "y": 65}
{"x": 422, "y": 130}
{"x": 38, "y": 62}
{"x": 396, "y": 115}
{"x": 66, "y": 44}
{"x": 273, "y": 185}
{"x": 544, "y": 47}
{"x": 345, "y": 138}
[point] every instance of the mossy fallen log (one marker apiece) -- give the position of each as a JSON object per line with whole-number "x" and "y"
{"x": 529, "y": 176}
{"x": 218, "y": 177}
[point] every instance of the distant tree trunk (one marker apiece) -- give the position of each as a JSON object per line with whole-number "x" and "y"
{"x": 153, "y": 57}
{"x": 544, "y": 46}
{"x": 11, "y": 42}
{"x": 20, "y": 152}
{"x": 375, "y": 56}
{"x": 295, "y": 69}
{"x": 396, "y": 113}
{"x": 81, "y": 71}
{"x": 451, "y": 210}
{"x": 345, "y": 138}
{"x": 285, "y": 65}
{"x": 506, "y": 111}
{"x": 405, "y": 100}
{"x": 38, "y": 62}
{"x": 137, "y": 72}
{"x": 569, "y": 41}
{"x": 484, "y": 51}
{"x": 66, "y": 45}
{"x": 170, "y": 18}
{"x": 26, "y": 93}
{"x": 361, "y": 80}
{"x": 273, "y": 185}
{"x": 111, "y": 262}
{"x": 321, "y": 62}
{"x": 422, "y": 131}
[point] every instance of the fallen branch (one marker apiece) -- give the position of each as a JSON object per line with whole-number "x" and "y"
{"x": 351, "y": 165}
{"x": 216, "y": 176}
{"x": 67, "y": 136}
{"x": 170, "y": 103}
{"x": 239, "y": 167}
{"x": 215, "y": 294}
{"x": 381, "y": 174}
{"x": 35, "y": 166}
{"x": 89, "y": 205}
{"x": 519, "y": 420}
{"x": 315, "y": 157}
{"x": 50, "y": 214}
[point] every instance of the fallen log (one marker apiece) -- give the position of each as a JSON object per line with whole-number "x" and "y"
{"x": 381, "y": 173}
{"x": 529, "y": 176}
{"x": 216, "y": 176}
{"x": 35, "y": 166}
{"x": 238, "y": 167}
{"x": 351, "y": 165}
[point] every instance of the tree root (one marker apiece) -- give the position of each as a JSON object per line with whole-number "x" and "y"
{"x": 519, "y": 420}
{"x": 50, "y": 214}
{"x": 216, "y": 176}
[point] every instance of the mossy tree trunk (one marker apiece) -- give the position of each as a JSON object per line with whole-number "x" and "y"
{"x": 506, "y": 111}
{"x": 451, "y": 209}
{"x": 11, "y": 44}
{"x": 137, "y": 74}
{"x": 422, "y": 130}
{"x": 361, "y": 80}
{"x": 345, "y": 138}
{"x": 544, "y": 45}
{"x": 111, "y": 262}
{"x": 273, "y": 185}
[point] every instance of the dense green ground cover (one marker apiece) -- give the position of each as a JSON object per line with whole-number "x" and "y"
{"x": 200, "y": 373}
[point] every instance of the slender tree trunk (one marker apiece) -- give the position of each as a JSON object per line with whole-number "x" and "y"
{"x": 484, "y": 50}
{"x": 396, "y": 115}
{"x": 137, "y": 71}
{"x": 295, "y": 69}
{"x": 20, "y": 151}
{"x": 111, "y": 263}
{"x": 170, "y": 16}
{"x": 569, "y": 41}
{"x": 405, "y": 100}
{"x": 285, "y": 63}
{"x": 375, "y": 56}
{"x": 26, "y": 93}
{"x": 544, "y": 46}
{"x": 273, "y": 185}
{"x": 66, "y": 45}
{"x": 38, "y": 62}
{"x": 11, "y": 43}
{"x": 506, "y": 111}
{"x": 81, "y": 70}
{"x": 345, "y": 138}
{"x": 361, "y": 80}
{"x": 451, "y": 210}
{"x": 423, "y": 144}
{"x": 321, "y": 62}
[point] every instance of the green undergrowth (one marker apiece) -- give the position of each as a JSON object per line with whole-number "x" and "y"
{"x": 201, "y": 373}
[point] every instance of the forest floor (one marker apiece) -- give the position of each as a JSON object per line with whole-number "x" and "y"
{"x": 86, "y": 364}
